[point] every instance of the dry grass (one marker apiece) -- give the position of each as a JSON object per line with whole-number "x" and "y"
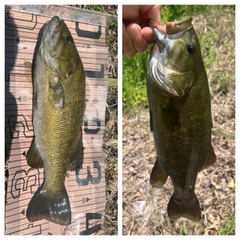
{"x": 110, "y": 147}
{"x": 145, "y": 208}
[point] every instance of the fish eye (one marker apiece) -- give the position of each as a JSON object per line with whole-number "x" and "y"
{"x": 190, "y": 48}
{"x": 69, "y": 39}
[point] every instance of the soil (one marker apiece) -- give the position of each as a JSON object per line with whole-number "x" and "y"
{"x": 145, "y": 208}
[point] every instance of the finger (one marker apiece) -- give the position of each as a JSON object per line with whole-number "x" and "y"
{"x": 146, "y": 8}
{"x": 147, "y": 33}
{"x": 139, "y": 42}
{"x": 154, "y": 13}
{"x": 130, "y": 12}
{"x": 127, "y": 45}
{"x": 140, "y": 13}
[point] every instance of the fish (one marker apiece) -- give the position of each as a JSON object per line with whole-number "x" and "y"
{"x": 180, "y": 114}
{"x": 58, "y": 109}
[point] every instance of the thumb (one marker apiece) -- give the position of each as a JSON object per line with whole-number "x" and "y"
{"x": 154, "y": 13}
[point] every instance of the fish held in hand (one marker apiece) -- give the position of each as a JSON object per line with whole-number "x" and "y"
{"x": 180, "y": 114}
{"x": 59, "y": 104}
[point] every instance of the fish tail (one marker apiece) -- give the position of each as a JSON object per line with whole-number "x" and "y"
{"x": 188, "y": 208}
{"x": 54, "y": 207}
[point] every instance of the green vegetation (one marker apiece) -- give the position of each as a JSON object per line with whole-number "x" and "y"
{"x": 180, "y": 12}
{"x": 112, "y": 82}
{"x": 228, "y": 228}
{"x": 134, "y": 81}
{"x": 214, "y": 43}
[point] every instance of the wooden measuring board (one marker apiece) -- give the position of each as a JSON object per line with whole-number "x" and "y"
{"x": 85, "y": 187}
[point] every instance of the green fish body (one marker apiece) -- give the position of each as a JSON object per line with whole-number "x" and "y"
{"x": 59, "y": 104}
{"x": 180, "y": 114}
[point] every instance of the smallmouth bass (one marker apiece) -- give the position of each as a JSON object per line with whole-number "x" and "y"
{"x": 180, "y": 114}
{"x": 58, "y": 109}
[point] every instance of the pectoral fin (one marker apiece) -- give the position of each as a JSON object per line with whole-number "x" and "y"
{"x": 34, "y": 158}
{"x": 151, "y": 120}
{"x": 170, "y": 116}
{"x": 77, "y": 157}
{"x": 56, "y": 93}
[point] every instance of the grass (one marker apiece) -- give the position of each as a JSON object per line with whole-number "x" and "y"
{"x": 228, "y": 227}
{"x": 112, "y": 82}
{"x": 134, "y": 77}
{"x": 111, "y": 161}
{"x": 180, "y": 12}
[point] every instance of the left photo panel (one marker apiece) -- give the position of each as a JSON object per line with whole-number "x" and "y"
{"x": 61, "y": 119}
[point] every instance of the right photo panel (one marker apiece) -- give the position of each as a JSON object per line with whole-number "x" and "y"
{"x": 178, "y": 123}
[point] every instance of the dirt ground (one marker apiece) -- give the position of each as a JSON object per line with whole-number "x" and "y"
{"x": 145, "y": 208}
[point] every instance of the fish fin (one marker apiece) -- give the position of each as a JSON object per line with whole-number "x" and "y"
{"x": 151, "y": 120}
{"x": 158, "y": 176}
{"x": 77, "y": 158}
{"x": 189, "y": 208}
{"x": 170, "y": 116}
{"x": 47, "y": 205}
{"x": 34, "y": 158}
{"x": 211, "y": 158}
{"x": 56, "y": 93}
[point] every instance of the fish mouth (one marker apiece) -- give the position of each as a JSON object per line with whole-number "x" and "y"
{"x": 51, "y": 31}
{"x": 51, "y": 35}
{"x": 172, "y": 30}
{"x": 159, "y": 70}
{"x": 54, "y": 26}
{"x": 57, "y": 24}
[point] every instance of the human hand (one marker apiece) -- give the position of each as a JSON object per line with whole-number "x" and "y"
{"x": 136, "y": 34}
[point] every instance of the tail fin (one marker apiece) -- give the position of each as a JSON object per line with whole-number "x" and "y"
{"x": 47, "y": 205}
{"x": 189, "y": 208}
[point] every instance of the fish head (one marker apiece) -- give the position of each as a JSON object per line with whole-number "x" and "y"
{"x": 57, "y": 49}
{"x": 175, "y": 57}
